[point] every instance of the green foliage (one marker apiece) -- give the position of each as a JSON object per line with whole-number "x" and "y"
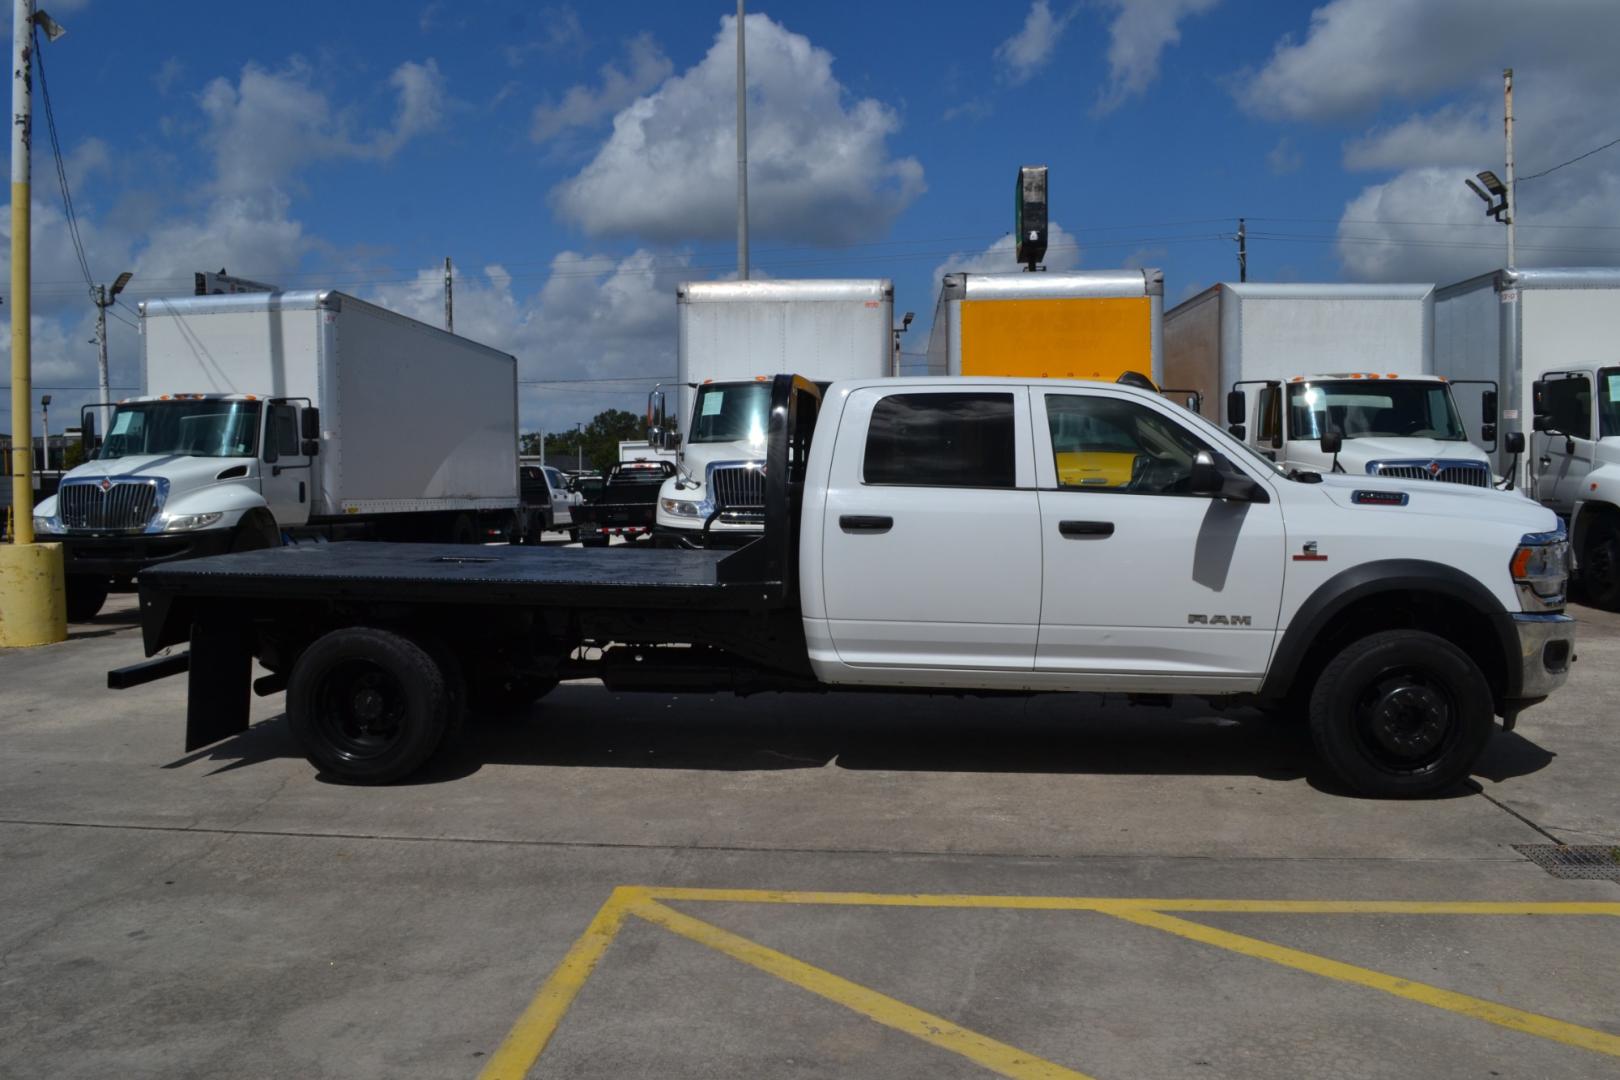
{"x": 597, "y": 447}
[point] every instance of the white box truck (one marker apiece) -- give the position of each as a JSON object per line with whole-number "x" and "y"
{"x": 1300, "y": 361}
{"x": 272, "y": 416}
{"x": 1082, "y": 324}
{"x": 734, "y": 336}
{"x": 1552, "y": 337}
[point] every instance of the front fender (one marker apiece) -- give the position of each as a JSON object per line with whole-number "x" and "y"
{"x": 1398, "y": 577}
{"x": 231, "y": 500}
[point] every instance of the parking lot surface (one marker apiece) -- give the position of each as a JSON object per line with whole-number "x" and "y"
{"x": 848, "y": 885}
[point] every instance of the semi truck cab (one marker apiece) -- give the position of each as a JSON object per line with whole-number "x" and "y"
{"x": 1575, "y": 467}
{"x": 179, "y": 476}
{"x": 717, "y": 496}
{"x": 1402, "y": 426}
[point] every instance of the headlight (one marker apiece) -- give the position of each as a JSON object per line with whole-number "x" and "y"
{"x": 1540, "y": 568}
{"x": 190, "y": 522}
{"x": 681, "y": 508}
{"x": 47, "y": 525}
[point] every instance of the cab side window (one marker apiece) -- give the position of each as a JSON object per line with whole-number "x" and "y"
{"x": 284, "y": 430}
{"x": 941, "y": 440}
{"x": 1569, "y": 406}
{"x": 1110, "y": 444}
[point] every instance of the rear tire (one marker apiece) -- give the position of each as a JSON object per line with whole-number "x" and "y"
{"x": 85, "y": 596}
{"x": 462, "y": 530}
{"x": 255, "y": 533}
{"x": 594, "y": 540}
{"x": 1600, "y": 566}
{"x": 1401, "y": 714}
{"x": 368, "y": 706}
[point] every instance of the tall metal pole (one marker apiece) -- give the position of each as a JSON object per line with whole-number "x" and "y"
{"x": 1507, "y": 126}
{"x": 449, "y": 301}
{"x": 102, "y": 380}
{"x": 22, "y": 383}
{"x": 1243, "y": 250}
{"x": 742, "y": 149}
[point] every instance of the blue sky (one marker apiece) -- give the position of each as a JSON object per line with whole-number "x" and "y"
{"x": 577, "y": 160}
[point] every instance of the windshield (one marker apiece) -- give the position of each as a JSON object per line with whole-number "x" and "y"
{"x": 190, "y": 428}
{"x": 1359, "y": 409}
{"x": 731, "y": 413}
{"x": 1608, "y": 402}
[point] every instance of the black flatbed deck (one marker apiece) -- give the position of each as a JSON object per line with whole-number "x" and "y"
{"x": 497, "y": 574}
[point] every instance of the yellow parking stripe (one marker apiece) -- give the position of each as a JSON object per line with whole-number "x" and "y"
{"x": 1530, "y": 1023}
{"x": 995, "y": 1056}
{"x": 533, "y": 1030}
{"x": 1100, "y": 903}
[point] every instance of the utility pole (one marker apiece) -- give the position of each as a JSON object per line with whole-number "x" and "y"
{"x": 32, "y": 583}
{"x": 1507, "y": 128}
{"x": 103, "y": 300}
{"x": 1243, "y": 250}
{"x": 579, "y": 447}
{"x": 449, "y": 300}
{"x": 742, "y": 149}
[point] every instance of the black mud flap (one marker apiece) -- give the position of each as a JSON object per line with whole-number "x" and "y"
{"x": 217, "y": 696}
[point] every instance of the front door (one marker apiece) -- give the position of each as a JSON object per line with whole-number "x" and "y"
{"x": 933, "y": 558}
{"x": 1140, "y": 575}
{"x": 285, "y": 475}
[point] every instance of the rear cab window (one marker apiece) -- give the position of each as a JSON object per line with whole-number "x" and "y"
{"x": 951, "y": 439}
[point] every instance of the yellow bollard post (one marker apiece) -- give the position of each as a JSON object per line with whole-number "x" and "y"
{"x": 33, "y": 600}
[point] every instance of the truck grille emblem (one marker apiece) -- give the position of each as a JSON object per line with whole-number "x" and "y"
{"x": 105, "y": 485}
{"x": 1434, "y": 468}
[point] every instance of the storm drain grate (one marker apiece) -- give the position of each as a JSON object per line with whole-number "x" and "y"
{"x": 1592, "y": 861}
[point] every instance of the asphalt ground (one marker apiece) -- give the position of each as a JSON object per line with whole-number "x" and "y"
{"x": 862, "y": 885}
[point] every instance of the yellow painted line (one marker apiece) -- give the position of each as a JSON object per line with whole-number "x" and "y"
{"x": 1478, "y": 1008}
{"x": 515, "y": 1056}
{"x": 996, "y": 1056}
{"x": 1112, "y": 903}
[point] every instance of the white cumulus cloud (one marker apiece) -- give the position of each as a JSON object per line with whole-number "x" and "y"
{"x": 1062, "y": 253}
{"x": 819, "y": 166}
{"x": 1137, "y": 36}
{"x": 582, "y": 106}
{"x": 1029, "y": 50}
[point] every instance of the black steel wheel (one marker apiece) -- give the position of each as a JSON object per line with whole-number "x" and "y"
{"x": 1401, "y": 714}
{"x": 86, "y": 594}
{"x": 368, "y": 706}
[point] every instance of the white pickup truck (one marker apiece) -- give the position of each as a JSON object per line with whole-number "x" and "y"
{"x": 963, "y": 535}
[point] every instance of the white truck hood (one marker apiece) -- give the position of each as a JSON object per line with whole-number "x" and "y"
{"x": 1459, "y": 502}
{"x": 1381, "y": 448}
{"x": 182, "y": 472}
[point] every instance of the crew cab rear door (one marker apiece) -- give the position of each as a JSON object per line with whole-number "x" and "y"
{"x": 931, "y": 540}
{"x": 1140, "y": 575}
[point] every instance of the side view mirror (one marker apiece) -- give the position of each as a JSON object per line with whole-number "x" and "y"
{"x": 310, "y": 447}
{"x": 1237, "y": 406}
{"x": 1487, "y": 409}
{"x": 1239, "y": 432}
{"x": 1332, "y": 442}
{"x": 1540, "y": 422}
{"x": 1514, "y": 443}
{"x": 1206, "y": 478}
{"x": 1487, "y": 431}
{"x": 310, "y": 424}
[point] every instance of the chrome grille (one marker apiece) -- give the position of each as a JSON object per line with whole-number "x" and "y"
{"x": 125, "y": 506}
{"x": 738, "y": 487}
{"x": 1472, "y": 473}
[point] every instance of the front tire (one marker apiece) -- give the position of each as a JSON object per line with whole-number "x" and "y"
{"x": 85, "y": 596}
{"x": 368, "y": 706}
{"x": 1401, "y": 714}
{"x": 1600, "y": 567}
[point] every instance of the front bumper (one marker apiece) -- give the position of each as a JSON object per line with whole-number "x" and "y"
{"x": 1546, "y": 649}
{"x": 127, "y": 555}
{"x": 719, "y": 539}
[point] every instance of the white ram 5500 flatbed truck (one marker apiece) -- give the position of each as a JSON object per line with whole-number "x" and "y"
{"x": 983, "y": 535}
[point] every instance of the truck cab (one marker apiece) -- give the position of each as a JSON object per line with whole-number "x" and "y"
{"x": 1403, "y": 426}
{"x": 1575, "y": 469}
{"x": 179, "y": 476}
{"x": 717, "y": 496}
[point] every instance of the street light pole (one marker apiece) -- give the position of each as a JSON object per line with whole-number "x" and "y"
{"x": 103, "y": 300}
{"x": 742, "y": 148}
{"x": 579, "y": 447}
{"x": 45, "y": 429}
{"x": 1507, "y": 130}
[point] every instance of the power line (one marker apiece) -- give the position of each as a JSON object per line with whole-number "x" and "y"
{"x": 68, "y": 212}
{"x": 1571, "y": 161}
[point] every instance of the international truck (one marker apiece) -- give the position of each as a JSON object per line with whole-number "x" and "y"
{"x": 1296, "y": 362}
{"x": 1395, "y": 619}
{"x": 272, "y": 416}
{"x": 1083, "y": 324}
{"x": 1552, "y": 338}
{"x": 733, "y": 337}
